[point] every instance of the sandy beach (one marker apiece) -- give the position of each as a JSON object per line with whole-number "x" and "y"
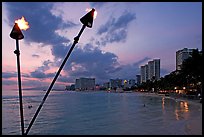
{"x": 193, "y": 126}
{"x": 190, "y": 101}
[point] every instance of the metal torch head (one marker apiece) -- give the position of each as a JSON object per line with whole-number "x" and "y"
{"x": 87, "y": 19}
{"x": 16, "y": 32}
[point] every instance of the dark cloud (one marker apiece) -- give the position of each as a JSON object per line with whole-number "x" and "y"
{"x": 92, "y": 62}
{"x": 12, "y": 75}
{"x": 8, "y": 82}
{"x": 60, "y": 50}
{"x": 42, "y": 23}
{"x": 89, "y": 61}
{"x": 9, "y": 74}
{"x": 35, "y": 84}
{"x": 35, "y": 56}
{"x": 115, "y": 30}
{"x": 40, "y": 71}
{"x": 39, "y": 74}
{"x": 45, "y": 65}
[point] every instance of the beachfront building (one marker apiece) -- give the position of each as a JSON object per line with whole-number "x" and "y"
{"x": 129, "y": 83}
{"x": 70, "y": 87}
{"x": 144, "y": 72}
{"x": 181, "y": 55}
{"x": 85, "y": 84}
{"x": 154, "y": 69}
{"x": 106, "y": 85}
{"x": 115, "y": 83}
{"x": 150, "y": 71}
{"x": 138, "y": 80}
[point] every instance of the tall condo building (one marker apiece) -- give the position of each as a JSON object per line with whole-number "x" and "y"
{"x": 154, "y": 69}
{"x": 144, "y": 72}
{"x": 150, "y": 71}
{"x": 181, "y": 55}
{"x": 129, "y": 83}
{"x": 85, "y": 84}
{"x": 138, "y": 79}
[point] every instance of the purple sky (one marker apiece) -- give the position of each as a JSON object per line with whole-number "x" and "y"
{"x": 124, "y": 36}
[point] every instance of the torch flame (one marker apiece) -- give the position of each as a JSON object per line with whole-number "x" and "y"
{"x": 95, "y": 12}
{"x": 22, "y": 24}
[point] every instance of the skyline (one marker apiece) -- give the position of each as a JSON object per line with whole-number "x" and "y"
{"x": 124, "y": 36}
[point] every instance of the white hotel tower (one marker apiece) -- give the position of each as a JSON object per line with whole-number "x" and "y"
{"x": 85, "y": 84}
{"x": 181, "y": 55}
{"x": 150, "y": 70}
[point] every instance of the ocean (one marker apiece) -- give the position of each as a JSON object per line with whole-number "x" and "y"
{"x": 100, "y": 113}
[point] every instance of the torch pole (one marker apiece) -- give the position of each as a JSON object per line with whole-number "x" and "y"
{"x": 17, "y": 52}
{"x": 76, "y": 39}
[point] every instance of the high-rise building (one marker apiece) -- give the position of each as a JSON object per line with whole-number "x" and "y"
{"x": 157, "y": 69}
{"x": 115, "y": 83}
{"x": 154, "y": 69}
{"x": 85, "y": 84}
{"x": 181, "y": 55}
{"x": 129, "y": 83}
{"x": 106, "y": 85}
{"x": 138, "y": 79}
{"x": 150, "y": 71}
{"x": 144, "y": 73}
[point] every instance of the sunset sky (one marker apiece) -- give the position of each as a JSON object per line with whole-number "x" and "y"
{"x": 124, "y": 36}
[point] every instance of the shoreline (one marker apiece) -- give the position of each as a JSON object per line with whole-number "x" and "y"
{"x": 190, "y": 101}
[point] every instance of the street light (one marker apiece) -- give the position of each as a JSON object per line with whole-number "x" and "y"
{"x": 18, "y": 35}
{"x": 87, "y": 21}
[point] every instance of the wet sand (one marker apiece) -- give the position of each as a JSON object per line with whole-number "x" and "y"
{"x": 194, "y": 125}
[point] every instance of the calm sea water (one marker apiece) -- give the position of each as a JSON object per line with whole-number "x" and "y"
{"x": 100, "y": 113}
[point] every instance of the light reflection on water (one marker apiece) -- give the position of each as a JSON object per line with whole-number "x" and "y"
{"x": 95, "y": 113}
{"x": 182, "y": 111}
